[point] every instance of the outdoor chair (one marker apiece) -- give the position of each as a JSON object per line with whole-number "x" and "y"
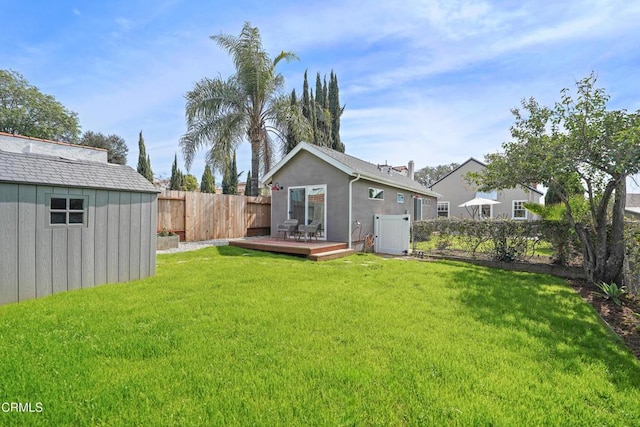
{"x": 308, "y": 230}
{"x": 287, "y": 227}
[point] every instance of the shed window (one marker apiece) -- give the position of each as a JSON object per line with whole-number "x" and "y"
{"x": 67, "y": 210}
{"x": 376, "y": 193}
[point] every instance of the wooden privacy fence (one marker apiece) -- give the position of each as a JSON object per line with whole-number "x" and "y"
{"x": 203, "y": 216}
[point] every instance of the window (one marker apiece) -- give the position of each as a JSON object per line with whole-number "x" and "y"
{"x": 443, "y": 209}
{"x": 376, "y": 193}
{"x": 400, "y": 198}
{"x": 68, "y": 210}
{"x": 519, "y": 212}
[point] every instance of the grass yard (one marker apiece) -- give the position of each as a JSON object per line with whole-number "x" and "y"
{"x": 226, "y": 336}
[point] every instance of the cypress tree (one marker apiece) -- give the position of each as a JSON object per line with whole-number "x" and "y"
{"x": 318, "y": 90}
{"x": 233, "y": 174}
{"x": 207, "y": 183}
{"x": 291, "y": 139}
{"x": 335, "y": 112}
{"x": 144, "y": 165}
{"x": 247, "y": 188}
{"x": 176, "y": 176}
{"x": 149, "y": 168}
{"x": 313, "y": 120}
{"x": 306, "y": 102}
{"x": 230, "y": 177}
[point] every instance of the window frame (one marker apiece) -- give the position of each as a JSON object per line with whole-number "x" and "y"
{"x": 380, "y": 191}
{"x": 67, "y": 210}
{"x": 513, "y": 210}
{"x": 448, "y": 204}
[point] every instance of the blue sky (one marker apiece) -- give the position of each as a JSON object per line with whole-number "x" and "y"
{"x": 429, "y": 81}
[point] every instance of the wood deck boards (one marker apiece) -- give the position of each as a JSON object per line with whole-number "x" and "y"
{"x": 293, "y": 247}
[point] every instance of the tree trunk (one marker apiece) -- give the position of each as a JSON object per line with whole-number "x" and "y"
{"x": 604, "y": 250}
{"x": 614, "y": 265}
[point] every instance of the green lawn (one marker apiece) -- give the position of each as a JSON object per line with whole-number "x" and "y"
{"x": 225, "y": 336}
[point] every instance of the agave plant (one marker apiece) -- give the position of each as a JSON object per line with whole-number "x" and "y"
{"x": 611, "y": 291}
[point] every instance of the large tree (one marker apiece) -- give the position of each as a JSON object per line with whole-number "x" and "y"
{"x": 222, "y": 113}
{"x": 335, "y": 112}
{"x": 144, "y": 162}
{"x": 207, "y": 183}
{"x": 577, "y": 135}
{"x": 177, "y": 178}
{"x": 430, "y": 174}
{"x": 115, "y": 145}
{"x": 24, "y": 110}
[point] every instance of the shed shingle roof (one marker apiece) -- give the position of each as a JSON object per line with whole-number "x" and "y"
{"x": 40, "y": 169}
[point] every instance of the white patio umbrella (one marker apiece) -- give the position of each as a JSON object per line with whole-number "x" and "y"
{"x": 475, "y": 204}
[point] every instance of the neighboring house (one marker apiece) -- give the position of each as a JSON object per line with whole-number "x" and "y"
{"x": 340, "y": 191}
{"x": 632, "y": 205}
{"x": 456, "y": 190}
{"x": 70, "y": 220}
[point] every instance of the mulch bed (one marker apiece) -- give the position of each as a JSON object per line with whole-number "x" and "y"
{"x": 619, "y": 318}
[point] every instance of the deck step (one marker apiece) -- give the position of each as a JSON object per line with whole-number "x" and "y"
{"x": 325, "y": 256}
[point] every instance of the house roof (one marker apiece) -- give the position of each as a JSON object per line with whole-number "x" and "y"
{"x": 471, "y": 159}
{"x": 354, "y": 167}
{"x": 56, "y": 171}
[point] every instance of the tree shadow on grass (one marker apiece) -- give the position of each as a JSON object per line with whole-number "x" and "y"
{"x": 547, "y": 309}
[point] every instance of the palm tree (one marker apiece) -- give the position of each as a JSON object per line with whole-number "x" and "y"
{"x": 221, "y": 113}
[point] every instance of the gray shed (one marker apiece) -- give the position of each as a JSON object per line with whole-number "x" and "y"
{"x": 342, "y": 192}
{"x": 70, "y": 220}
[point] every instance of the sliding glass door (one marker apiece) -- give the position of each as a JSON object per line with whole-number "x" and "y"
{"x": 308, "y": 204}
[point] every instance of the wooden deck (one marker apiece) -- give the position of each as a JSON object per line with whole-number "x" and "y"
{"x": 314, "y": 250}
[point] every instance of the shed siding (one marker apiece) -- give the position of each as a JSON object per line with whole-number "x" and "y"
{"x": 59, "y": 253}
{"x": 113, "y": 218}
{"x": 44, "y": 236}
{"x": 89, "y": 243}
{"x": 145, "y": 231}
{"x": 134, "y": 241}
{"x": 118, "y": 243}
{"x": 26, "y": 242}
{"x": 9, "y": 242}
{"x": 124, "y": 226}
{"x": 154, "y": 223}
{"x": 101, "y": 231}
{"x": 74, "y": 250}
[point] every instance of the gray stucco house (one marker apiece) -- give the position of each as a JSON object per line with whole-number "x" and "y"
{"x": 70, "y": 220}
{"x": 456, "y": 190}
{"x": 318, "y": 183}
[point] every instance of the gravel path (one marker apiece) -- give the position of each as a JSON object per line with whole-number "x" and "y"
{"x": 192, "y": 246}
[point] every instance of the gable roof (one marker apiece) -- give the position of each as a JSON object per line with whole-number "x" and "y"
{"x": 471, "y": 159}
{"x": 354, "y": 167}
{"x": 39, "y": 169}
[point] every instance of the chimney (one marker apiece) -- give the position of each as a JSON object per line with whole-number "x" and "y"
{"x": 411, "y": 168}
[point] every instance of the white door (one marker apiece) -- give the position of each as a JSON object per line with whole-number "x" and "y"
{"x": 391, "y": 234}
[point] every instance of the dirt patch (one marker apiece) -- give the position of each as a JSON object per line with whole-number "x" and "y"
{"x": 621, "y": 319}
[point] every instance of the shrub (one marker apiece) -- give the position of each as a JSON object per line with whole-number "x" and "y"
{"x": 612, "y": 292}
